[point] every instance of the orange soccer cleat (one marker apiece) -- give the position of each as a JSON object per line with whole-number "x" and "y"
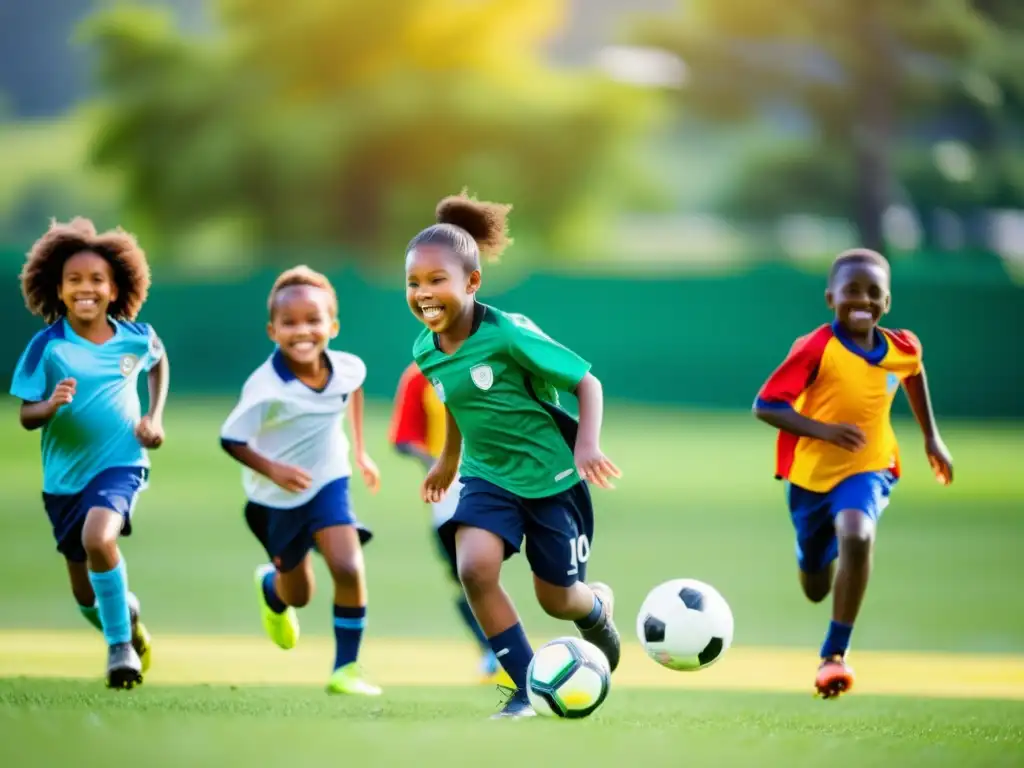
{"x": 834, "y": 678}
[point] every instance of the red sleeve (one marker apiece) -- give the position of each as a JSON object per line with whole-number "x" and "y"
{"x": 409, "y": 419}
{"x": 796, "y": 372}
{"x": 906, "y": 342}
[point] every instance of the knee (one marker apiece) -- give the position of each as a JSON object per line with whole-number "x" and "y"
{"x": 347, "y": 571}
{"x": 478, "y": 575}
{"x": 99, "y": 539}
{"x": 856, "y": 532}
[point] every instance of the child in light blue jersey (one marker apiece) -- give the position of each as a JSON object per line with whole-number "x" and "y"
{"x": 77, "y": 380}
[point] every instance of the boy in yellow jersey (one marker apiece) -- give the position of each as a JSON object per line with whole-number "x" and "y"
{"x": 831, "y": 400}
{"x": 417, "y": 430}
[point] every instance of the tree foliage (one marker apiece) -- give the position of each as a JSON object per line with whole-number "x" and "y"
{"x": 340, "y": 121}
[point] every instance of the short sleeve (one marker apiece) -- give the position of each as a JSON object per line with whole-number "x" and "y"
{"x": 155, "y": 351}
{"x": 908, "y": 344}
{"x": 541, "y": 355}
{"x": 29, "y": 380}
{"x": 796, "y": 372}
{"x": 349, "y": 371}
{"x": 244, "y": 422}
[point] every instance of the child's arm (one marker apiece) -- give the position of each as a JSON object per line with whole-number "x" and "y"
{"x": 150, "y": 429}
{"x": 35, "y": 415}
{"x": 371, "y": 475}
{"x": 916, "y": 387}
{"x": 593, "y": 465}
{"x": 290, "y": 478}
{"x": 774, "y": 403}
{"x": 442, "y": 474}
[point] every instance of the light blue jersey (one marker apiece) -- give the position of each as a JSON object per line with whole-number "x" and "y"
{"x": 96, "y": 431}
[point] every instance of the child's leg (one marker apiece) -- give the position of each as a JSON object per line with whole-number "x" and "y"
{"x": 292, "y": 588}
{"x": 343, "y": 553}
{"x": 855, "y": 531}
{"x": 81, "y": 589}
{"x": 480, "y": 554}
{"x": 107, "y": 573}
{"x": 461, "y": 602}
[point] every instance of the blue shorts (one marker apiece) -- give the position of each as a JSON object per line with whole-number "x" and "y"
{"x": 814, "y": 514}
{"x": 288, "y": 534}
{"x": 116, "y": 488}
{"x": 559, "y": 529}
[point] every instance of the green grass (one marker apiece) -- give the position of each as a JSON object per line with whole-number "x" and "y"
{"x": 697, "y": 500}
{"x": 83, "y": 725}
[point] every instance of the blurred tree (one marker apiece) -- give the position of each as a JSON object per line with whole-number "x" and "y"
{"x": 341, "y": 121}
{"x": 860, "y": 71}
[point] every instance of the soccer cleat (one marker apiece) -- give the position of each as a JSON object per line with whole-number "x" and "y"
{"x": 282, "y": 628}
{"x": 834, "y": 678}
{"x": 517, "y": 705}
{"x": 604, "y": 634}
{"x": 347, "y": 680}
{"x": 124, "y": 669}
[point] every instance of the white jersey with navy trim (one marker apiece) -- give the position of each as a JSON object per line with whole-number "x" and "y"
{"x": 289, "y": 422}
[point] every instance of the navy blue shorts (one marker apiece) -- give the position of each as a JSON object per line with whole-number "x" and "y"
{"x": 814, "y": 514}
{"x": 287, "y": 534}
{"x": 559, "y": 529}
{"x": 116, "y": 488}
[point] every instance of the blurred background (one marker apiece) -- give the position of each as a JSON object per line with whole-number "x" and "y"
{"x": 682, "y": 173}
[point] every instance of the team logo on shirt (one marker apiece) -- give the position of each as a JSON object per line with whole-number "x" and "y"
{"x": 128, "y": 363}
{"x": 438, "y": 388}
{"x": 483, "y": 376}
{"x": 892, "y": 383}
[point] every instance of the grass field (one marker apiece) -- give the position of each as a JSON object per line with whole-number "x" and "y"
{"x": 939, "y": 648}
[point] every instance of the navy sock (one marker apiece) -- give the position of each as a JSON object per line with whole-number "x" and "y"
{"x": 349, "y": 624}
{"x": 470, "y": 620}
{"x": 837, "y": 641}
{"x": 274, "y": 602}
{"x": 590, "y": 620}
{"x": 111, "y": 589}
{"x": 514, "y": 652}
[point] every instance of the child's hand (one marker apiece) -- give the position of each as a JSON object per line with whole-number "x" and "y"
{"x": 847, "y": 436}
{"x": 149, "y": 432}
{"x": 63, "y": 394}
{"x": 371, "y": 475}
{"x": 595, "y": 467}
{"x": 939, "y": 458}
{"x": 438, "y": 480}
{"x": 290, "y": 478}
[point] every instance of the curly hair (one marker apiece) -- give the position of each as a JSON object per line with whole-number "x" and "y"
{"x": 858, "y": 256}
{"x": 469, "y": 227}
{"x": 301, "y": 275}
{"x": 43, "y": 271}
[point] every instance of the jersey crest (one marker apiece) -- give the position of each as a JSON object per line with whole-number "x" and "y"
{"x": 483, "y": 376}
{"x": 438, "y": 388}
{"x": 128, "y": 363}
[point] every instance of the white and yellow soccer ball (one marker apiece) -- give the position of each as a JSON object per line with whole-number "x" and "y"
{"x": 568, "y": 677}
{"x": 685, "y": 625}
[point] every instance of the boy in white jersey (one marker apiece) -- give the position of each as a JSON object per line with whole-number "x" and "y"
{"x": 286, "y": 431}
{"x": 77, "y": 381}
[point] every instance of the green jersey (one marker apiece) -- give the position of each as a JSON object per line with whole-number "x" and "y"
{"x": 501, "y": 388}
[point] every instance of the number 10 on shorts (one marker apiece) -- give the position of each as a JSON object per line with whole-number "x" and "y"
{"x": 579, "y": 553}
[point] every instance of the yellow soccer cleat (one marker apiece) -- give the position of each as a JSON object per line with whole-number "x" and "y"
{"x": 142, "y": 643}
{"x": 282, "y": 628}
{"x": 347, "y": 681}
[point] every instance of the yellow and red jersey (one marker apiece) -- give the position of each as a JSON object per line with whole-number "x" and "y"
{"x": 827, "y": 377}
{"x": 418, "y": 417}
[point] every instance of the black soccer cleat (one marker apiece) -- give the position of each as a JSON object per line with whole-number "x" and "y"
{"x": 604, "y": 634}
{"x": 124, "y": 669}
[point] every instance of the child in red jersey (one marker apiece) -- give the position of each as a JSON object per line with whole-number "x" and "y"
{"x": 831, "y": 400}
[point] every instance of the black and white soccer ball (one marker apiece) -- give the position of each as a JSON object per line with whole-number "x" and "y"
{"x": 685, "y": 624}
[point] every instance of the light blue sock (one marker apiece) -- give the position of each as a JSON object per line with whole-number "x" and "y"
{"x": 111, "y": 590}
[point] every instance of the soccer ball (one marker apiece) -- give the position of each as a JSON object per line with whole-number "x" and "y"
{"x": 568, "y": 677}
{"x": 685, "y": 624}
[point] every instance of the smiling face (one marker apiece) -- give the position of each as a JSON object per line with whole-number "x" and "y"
{"x": 302, "y": 321}
{"x": 87, "y": 286}
{"x": 438, "y": 289}
{"x": 859, "y": 295}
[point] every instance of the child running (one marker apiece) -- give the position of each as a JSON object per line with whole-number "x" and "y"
{"x": 525, "y": 463}
{"x": 286, "y": 432}
{"x": 417, "y": 431}
{"x": 831, "y": 400}
{"x": 77, "y": 381}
